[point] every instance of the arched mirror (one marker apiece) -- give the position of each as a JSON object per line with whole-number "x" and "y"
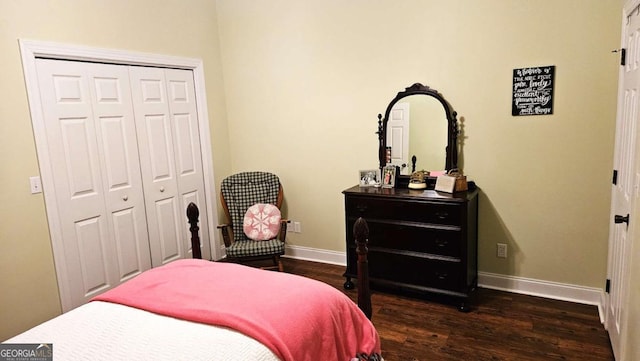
{"x": 418, "y": 132}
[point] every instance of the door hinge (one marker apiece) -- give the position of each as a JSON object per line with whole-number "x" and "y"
{"x": 623, "y": 56}
{"x": 615, "y": 177}
{"x": 607, "y": 287}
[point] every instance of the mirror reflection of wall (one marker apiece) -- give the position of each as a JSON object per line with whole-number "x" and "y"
{"x": 418, "y": 126}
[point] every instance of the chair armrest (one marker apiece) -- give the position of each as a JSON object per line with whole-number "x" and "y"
{"x": 282, "y": 234}
{"x": 227, "y": 234}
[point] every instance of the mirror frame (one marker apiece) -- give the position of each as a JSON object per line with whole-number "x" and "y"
{"x": 451, "y": 158}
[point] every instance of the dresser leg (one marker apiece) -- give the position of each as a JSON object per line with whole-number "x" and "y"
{"x": 348, "y": 285}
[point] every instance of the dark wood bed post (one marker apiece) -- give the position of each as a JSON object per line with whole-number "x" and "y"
{"x": 361, "y": 234}
{"x": 192, "y": 214}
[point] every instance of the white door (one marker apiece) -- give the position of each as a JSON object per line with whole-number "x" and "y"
{"x": 624, "y": 194}
{"x": 184, "y": 118}
{"x": 169, "y": 142}
{"x": 398, "y": 136}
{"x": 91, "y": 141}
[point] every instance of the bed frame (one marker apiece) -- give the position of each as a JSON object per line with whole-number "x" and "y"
{"x": 361, "y": 235}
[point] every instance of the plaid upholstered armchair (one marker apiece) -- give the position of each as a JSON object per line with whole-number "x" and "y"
{"x": 255, "y": 230}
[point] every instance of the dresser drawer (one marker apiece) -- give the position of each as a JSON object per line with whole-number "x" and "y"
{"x": 423, "y": 242}
{"x": 445, "y": 241}
{"x": 413, "y": 211}
{"x": 422, "y": 272}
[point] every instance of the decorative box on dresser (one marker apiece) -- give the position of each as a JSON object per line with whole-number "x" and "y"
{"x": 421, "y": 241}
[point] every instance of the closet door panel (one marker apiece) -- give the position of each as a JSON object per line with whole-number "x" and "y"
{"x": 116, "y": 134}
{"x": 132, "y": 249}
{"x": 95, "y": 271}
{"x": 77, "y": 180}
{"x": 156, "y": 146}
{"x": 159, "y": 148}
{"x": 170, "y": 238}
{"x": 182, "y": 104}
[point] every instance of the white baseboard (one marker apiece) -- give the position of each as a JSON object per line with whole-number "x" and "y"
{"x": 316, "y": 255}
{"x": 526, "y": 286}
{"x": 546, "y": 289}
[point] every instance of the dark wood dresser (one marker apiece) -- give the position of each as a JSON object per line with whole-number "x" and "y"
{"x": 420, "y": 241}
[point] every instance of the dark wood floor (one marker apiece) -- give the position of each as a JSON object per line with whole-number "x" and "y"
{"x": 500, "y": 326}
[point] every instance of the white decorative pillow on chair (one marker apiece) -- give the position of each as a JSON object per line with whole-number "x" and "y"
{"x": 262, "y": 222}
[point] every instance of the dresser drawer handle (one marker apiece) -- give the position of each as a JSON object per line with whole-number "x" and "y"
{"x": 441, "y": 276}
{"x": 441, "y": 243}
{"x": 361, "y": 207}
{"x": 442, "y": 215}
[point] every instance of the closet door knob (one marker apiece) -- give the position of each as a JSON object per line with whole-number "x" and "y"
{"x": 125, "y": 198}
{"x": 161, "y": 189}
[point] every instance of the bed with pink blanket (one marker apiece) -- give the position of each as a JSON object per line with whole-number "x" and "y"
{"x": 193, "y": 309}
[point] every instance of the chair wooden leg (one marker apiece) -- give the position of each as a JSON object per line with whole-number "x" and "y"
{"x": 278, "y": 262}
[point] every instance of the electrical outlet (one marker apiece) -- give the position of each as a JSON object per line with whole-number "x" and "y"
{"x": 294, "y": 227}
{"x": 501, "y": 250}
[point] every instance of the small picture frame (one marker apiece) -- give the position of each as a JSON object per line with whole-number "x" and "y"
{"x": 369, "y": 178}
{"x": 389, "y": 176}
{"x": 445, "y": 183}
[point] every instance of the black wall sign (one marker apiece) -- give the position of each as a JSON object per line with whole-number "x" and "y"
{"x": 533, "y": 91}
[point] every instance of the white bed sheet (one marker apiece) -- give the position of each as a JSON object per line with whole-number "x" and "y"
{"x": 111, "y": 332}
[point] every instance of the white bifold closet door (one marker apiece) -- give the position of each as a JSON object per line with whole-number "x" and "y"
{"x": 125, "y": 158}
{"x": 169, "y": 144}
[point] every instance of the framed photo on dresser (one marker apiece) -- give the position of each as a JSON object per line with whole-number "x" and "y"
{"x": 389, "y": 176}
{"x": 369, "y": 178}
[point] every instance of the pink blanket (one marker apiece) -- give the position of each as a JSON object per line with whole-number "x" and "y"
{"x": 296, "y": 317}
